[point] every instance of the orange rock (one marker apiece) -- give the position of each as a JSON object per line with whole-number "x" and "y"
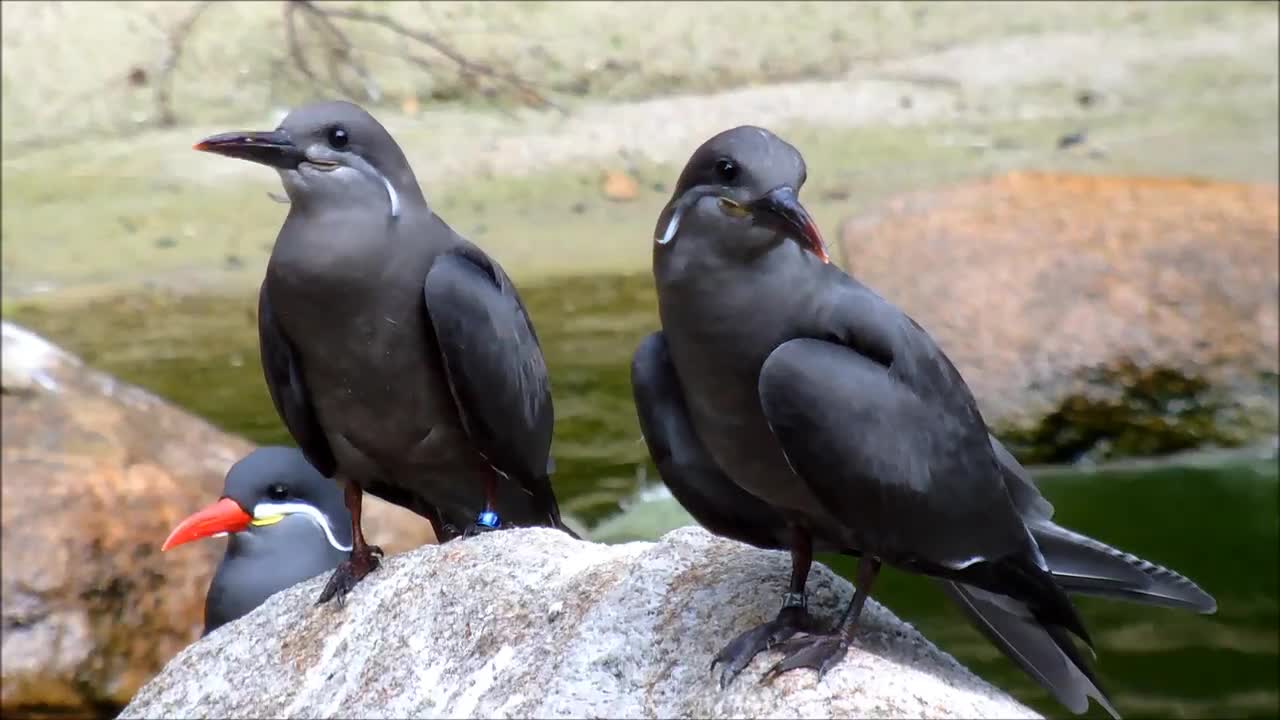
{"x": 1031, "y": 281}
{"x": 619, "y": 186}
{"x": 95, "y": 475}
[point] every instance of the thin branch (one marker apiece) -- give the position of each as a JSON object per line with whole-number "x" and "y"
{"x": 469, "y": 69}
{"x": 177, "y": 42}
{"x": 295, "y": 49}
{"x": 318, "y": 20}
{"x": 342, "y": 52}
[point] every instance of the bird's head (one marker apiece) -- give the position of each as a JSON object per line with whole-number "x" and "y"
{"x": 269, "y": 487}
{"x": 742, "y": 185}
{"x": 328, "y": 154}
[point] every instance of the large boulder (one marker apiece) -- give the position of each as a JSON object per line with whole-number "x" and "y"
{"x": 95, "y": 475}
{"x": 1092, "y": 316}
{"x": 531, "y": 623}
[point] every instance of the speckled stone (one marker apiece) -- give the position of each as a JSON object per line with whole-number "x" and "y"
{"x": 531, "y": 623}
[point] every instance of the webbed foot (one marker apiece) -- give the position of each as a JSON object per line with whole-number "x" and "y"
{"x": 816, "y": 652}
{"x": 349, "y": 573}
{"x": 737, "y": 655}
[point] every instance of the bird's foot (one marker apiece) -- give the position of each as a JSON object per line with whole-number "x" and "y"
{"x": 486, "y": 521}
{"x": 349, "y": 573}
{"x": 816, "y": 652}
{"x": 737, "y": 655}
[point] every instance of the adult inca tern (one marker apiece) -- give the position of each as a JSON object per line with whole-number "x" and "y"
{"x": 788, "y": 405}
{"x": 287, "y": 523}
{"x": 399, "y": 355}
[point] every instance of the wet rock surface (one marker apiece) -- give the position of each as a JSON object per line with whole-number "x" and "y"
{"x": 531, "y": 623}
{"x": 96, "y": 473}
{"x": 1092, "y": 316}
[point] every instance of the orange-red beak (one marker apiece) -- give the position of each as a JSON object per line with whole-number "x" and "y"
{"x": 226, "y": 515}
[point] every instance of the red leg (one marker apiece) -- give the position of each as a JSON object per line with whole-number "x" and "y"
{"x": 364, "y": 557}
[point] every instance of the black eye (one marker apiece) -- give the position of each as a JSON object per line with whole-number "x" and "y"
{"x": 727, "y": 170}
{"x": 278, "y": 492}
{"x": 338, "y": 138}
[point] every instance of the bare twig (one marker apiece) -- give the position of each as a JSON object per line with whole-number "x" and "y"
{"x": 341, "y": 54}
{"x": 406, "y": 55}
{"x": 470, "y": 70}
{"x": 295, "y": 49}
{"x": 173, "y": 52}
{"x": 328, "y": 27}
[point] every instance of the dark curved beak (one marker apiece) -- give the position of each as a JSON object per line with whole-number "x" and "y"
{"x": 272, "y": 148}
{"x": 781, "y": 210}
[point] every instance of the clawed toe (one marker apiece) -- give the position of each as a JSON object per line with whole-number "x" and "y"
{"x": 349, "y": 573}
{"x": 815, "y": 652}
{"x": 475, "y": 529}
{"x": 739, "y": 653}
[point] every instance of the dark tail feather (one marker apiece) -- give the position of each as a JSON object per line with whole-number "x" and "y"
{"x": 1084, "y": 566}
{"x": 544, "y": 500}
{"x": 1045, "y": 652}
{"x": 1024, "y": 577}
{"x": 566, "y": 529}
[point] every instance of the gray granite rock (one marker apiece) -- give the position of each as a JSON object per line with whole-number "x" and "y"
{"x": 530, "y": 623}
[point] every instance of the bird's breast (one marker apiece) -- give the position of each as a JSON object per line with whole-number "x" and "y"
{"x": 721, "y": 322}
{"x": 369, "y": 361}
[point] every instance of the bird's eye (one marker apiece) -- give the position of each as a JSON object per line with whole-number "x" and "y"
{"x": 278, "y": 492}
{"x": 338, "y": 138}
{"x": 726, "y": 169}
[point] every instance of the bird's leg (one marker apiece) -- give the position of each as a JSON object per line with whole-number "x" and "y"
{"x": 825, "y": 651}
{"x": 364, "y": 557}
{"x": 488, "y": 518}
{"x": 444, "y": 531}
{"x": 792, "y": 618}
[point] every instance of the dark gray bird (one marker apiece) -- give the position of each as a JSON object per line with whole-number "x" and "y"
{"x": 787, "y": 405}
{"x": 398, "y": 354}
{"x": 287, "y": 523}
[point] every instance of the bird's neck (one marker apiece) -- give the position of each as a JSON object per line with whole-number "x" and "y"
{"x": 704, "y": 291}
{"x": 691, "y": 260}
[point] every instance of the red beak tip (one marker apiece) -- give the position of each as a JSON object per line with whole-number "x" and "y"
{"x": 173, "y": 541}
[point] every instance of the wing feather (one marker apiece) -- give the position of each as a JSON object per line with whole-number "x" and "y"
{"x": 495, "y": 367}
{"x": 288, "y": 390}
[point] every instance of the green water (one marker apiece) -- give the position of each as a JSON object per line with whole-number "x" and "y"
{"x": 201, "y": 351}
{"x": 1219, "y": 524}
